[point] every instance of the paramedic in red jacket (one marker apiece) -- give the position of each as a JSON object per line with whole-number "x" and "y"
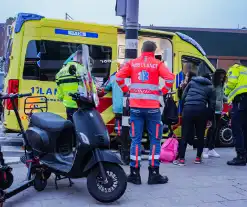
{"x": 144, "y": 92}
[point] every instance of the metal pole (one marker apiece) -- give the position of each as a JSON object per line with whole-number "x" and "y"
{"x": 131, "y": 29}
{"x": 131, "y": 26}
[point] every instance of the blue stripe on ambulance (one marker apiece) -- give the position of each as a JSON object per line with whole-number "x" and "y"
{"x": 76, "y": 33}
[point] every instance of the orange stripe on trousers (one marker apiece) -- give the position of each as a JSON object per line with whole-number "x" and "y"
{"x": 133, "y": 129}
{"x": 118, "y": 128}
{"x": 136, "y": 156}
{"x": 153, "y": 151}
{"x": 157, "y": 131}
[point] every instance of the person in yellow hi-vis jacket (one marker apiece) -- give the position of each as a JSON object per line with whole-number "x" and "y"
{"x": 68, "y": 83}
{"x": 236, "y": 91}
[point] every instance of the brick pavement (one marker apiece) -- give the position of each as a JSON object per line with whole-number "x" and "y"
{"x": 212, "y": 184}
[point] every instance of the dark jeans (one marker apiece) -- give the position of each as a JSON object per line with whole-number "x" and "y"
{"x": 193, "y": 122}
{"x": 70, "y": 112}
{"x": 213, "y": 131}
{"x": 152, "y": 117}
{"x": 239, "y": 125}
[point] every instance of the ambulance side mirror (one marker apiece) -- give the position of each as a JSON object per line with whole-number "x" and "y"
{"x": 72, "y": 70}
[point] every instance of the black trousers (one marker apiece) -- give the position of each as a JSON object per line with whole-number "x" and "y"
{"x": 193, "y": 122}
{"x": 212, "y": 132}
{"x": 239, "y": 124}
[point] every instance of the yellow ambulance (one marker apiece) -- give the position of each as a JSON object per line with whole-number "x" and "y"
{"x": 39, "y": 47}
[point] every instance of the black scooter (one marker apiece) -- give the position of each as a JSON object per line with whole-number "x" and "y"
{"x": 55, "y": 145}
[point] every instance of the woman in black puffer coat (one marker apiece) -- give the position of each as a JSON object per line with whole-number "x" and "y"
{"x": 198, "y": 102}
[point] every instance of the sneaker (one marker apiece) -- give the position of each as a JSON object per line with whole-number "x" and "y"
{"x": 180, "y": 162}
{"x": 213, "y": 153}
{"x": 198, "y": 160}
{"x": 205, "y": 154}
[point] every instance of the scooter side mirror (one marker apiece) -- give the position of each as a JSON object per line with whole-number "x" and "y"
{"x": 72, "y": 70}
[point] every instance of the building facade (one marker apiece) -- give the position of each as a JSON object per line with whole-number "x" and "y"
{"x": 223, "y": 47}
{"x": 2, "y": 37}
{"x": 5, "y": 31}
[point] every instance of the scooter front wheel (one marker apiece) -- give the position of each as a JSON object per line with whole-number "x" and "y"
{"x": 110, "y": 190}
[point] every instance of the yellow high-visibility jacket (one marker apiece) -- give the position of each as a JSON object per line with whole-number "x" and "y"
{"x": 68, "y": 83}
{"x": 237, "y": 81}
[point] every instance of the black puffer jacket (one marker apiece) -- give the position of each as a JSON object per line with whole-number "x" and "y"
{"x": 199, "y": 94}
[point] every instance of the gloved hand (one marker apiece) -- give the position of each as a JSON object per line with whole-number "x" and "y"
{"x": 209, "y": 124}
{"x": 100, "y": 92}
{"x": 127, "y": 94}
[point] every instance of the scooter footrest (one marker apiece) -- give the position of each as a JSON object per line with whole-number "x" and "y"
{"x": 59, "y": 167}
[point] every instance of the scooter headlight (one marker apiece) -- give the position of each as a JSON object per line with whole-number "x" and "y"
{"x": 84, "y": 138}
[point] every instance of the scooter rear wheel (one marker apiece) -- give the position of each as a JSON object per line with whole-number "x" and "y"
{"x": 7, "y": 179}
{"x": 113, "y": 189}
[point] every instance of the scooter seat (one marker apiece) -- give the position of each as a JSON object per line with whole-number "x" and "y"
{"x": 50, "y": 122}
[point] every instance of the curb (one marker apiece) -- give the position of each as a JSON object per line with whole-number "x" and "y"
{"x": 7, "y": 141}
{"x": 13, "y": 161}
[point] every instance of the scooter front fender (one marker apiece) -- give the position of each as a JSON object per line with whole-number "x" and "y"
{"x": 102, "y": 156}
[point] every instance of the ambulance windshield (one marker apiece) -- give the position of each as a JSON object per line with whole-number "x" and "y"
{"x": 163, "y": 51}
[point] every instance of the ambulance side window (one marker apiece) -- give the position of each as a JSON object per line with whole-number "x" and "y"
{"x": 45, "y": 58}
{"x": 195, "y": 65}
{"x": 31, "y": 67}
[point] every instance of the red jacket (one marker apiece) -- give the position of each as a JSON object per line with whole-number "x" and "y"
{"x": 144, "y": 73}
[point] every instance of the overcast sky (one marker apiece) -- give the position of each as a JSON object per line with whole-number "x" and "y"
{"x": 187, "y": 13}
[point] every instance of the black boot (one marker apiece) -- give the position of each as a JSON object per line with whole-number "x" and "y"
{"x": 134, "y": 176}
{"x": 125, "y": 155}
{"x": 240, "y": 160}
{"x": 155, "y": 177}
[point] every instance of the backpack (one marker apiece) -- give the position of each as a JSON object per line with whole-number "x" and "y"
{"x": 170, "y": 112}
{"x": 169, "y": 150}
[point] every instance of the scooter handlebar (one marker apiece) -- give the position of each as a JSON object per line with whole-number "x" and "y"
{"x": 14, "y": 96}
{"x": 24, "y": 95}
